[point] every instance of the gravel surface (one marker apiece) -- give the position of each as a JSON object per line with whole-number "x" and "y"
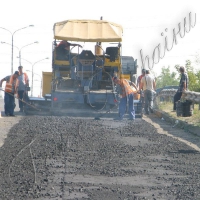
{"x": 69, "y": 158}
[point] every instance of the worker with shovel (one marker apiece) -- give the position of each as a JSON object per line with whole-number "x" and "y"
{"x": 127, "y": 98}
{"x": 11, "y": 88}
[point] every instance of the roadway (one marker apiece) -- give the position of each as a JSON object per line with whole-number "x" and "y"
{"x": 55, "y": 157}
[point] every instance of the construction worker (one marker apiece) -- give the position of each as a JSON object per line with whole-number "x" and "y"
{"x": 148, "y": 85}
{"x": 183, "y": 86}
{"x": 23, "y": 84}
{"x": 65, "y": 44}
{"x": 140, "y": 77}
{"x": 127, "y": 97}
{"x": 11, "y": 88}
{"x": 63, "y": 49}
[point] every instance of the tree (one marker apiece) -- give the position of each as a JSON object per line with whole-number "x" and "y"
{"x": 166, "y": 78}
{"x": 191, "y": 76}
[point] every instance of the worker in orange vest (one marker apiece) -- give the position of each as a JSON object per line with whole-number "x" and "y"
{"x": 140, "y": 77}
{"x": 127, "y": 97}
{"x": 23, "y": 84}
{"x": 11, "y": 88}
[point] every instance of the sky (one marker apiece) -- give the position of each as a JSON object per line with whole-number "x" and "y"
{"x": 143, "y": 23}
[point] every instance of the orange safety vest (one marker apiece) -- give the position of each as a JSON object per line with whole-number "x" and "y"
{"x": 136, "y": 95}
{"x": 126, "y": 88}
{"x": 11, "y": 85}
{"x": 140, "y": 77}
{"x": 25, "y": 78}
{"x": 133, "y": 88}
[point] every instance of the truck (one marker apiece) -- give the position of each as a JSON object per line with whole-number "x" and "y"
{"x": 81, "y": 76}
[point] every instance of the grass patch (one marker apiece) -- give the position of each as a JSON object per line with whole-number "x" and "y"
{"x": 167, "y": 107}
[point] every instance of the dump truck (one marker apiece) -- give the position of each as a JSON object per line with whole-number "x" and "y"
{"x": 82, "y": 75}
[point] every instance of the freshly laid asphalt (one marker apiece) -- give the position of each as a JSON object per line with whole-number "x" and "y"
{"x": 52, "y": 157}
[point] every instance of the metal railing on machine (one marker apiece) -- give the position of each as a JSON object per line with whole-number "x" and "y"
{"x": 187, "y": 95}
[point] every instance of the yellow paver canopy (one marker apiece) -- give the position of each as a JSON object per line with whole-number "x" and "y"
{"x": 88, "y": 31}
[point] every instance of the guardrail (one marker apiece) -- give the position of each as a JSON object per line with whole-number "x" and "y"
{"x": 187, "y": 95}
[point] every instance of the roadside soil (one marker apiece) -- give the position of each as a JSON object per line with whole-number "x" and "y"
{"x": 49, "y": 157}
{"x": 193, "y": 120}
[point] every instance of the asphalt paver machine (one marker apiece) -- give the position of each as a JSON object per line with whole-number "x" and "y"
{"x": 81, "y": 76}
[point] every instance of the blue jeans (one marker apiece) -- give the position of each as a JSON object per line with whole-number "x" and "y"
{"x": 9, "y": 104}
{"x": 22, "y": 96}
{"x": 122, "y": 106}
{"x": 148, "y": 101}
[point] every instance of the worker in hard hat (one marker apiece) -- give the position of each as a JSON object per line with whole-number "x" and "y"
{"x": 127, "y": 97}
{"x": 11, "y": 88}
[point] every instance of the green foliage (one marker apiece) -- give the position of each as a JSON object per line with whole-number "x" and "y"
{"x": 191, "y": 75}
{"x": 166, "y": 78}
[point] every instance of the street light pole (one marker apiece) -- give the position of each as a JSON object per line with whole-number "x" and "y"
{"x": 40, "y": 80}
{"x": 22, "y": 48}
{"x": 12, "y": 34}
{"x": 19, "y": 49}
{"x": 25, "y": 60}
{"x": 9, "y": 44}
{"x": 33, "y": 73}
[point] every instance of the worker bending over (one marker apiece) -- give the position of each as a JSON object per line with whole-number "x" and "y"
{"x": 127, "y": 97}
{"x": 11, "y": 88}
